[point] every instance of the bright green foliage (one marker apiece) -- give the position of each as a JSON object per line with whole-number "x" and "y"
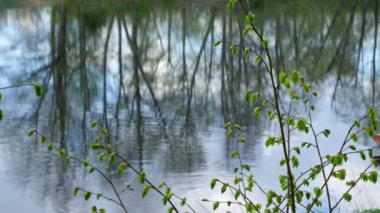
{"x": 213, "y": 183}
{"x": 146, "y": 190}
{"x": 217, "y": 43}
{"x": 87, "y": 195}
{"x": 38, "y": 90}
{"x": 231, "y": 4}
{"x": 265, "y": 44}
{"x": 215, "y": 205}
{"x": 250, "y": 17}
{"x": 75, "y": 191}
{"x": 141, "y": 177}
{"x": 121, "y": 168}
{"x": 247, "y": 29}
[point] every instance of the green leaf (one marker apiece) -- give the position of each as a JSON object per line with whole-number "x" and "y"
{"x": 121, "y": 168}
{"x": 86, "y": 163}
{"x": 258, "y": 58}
{"x": 235, "y": 170}
{"x": 317, "y": 191}
{"x": 42, "y": 139}
{"x": 265, "y": 44}
{"x": 215, "y": 205}
{"x": 99, "y": 195}
{"x": 96, "y": 146}
{"x": 105, "y": 132}
{"x": 247, "y": 29}
{"x": 352, "y": 147}
{"x": 250, "y": 17}
{"x": 37, "y": 90}
{"x": 301, "y": 124}
{"x": 87, "y": 196}
{"x": 295, "y": 162}
{"x": 102, "y": 210}
{"x": 224, "y": 188}
{"x": 93, "y": 124}
{"x": 31, "y": 132}
{"x": 217, "y": 43}
{"x": 237, "y": 194}
{"x": 91, "y": 170}
{"x": 1, "y": 96}
{"x": 231, "y": 4}
{"x": 362, "y": 155}
{"x": 347, "y": 196}
{"x": 233, "y": 49}
{"x": 373, "y": 176}
{"x": 111, "y": 158}
{"x": 102, "y": 156}
{"x": 357, "y": 123}
{"x": 270, "y": 141}
{"x": 308, "y": 195}
{"x": 183, "y": 202}
{"x": 50, "y": 147}
{"x": 295, "y": 76}
{"x": 234, "y": 154}
{"x": 213, "y": 183}
{"x": 257, "y": 111}
{"x": 62, "y": 152}
{"x": 161, "y": 184}
{"x": 1, "y": 115}
{"x": 326, "y": 132}
{"x": 141, "y": 177}
{"x": 75, "y": 191}
{"x": 146, "y": 190}
{"x": 297, "y": 150}
{"x": 246, "y": 167}
{"x": 170, "y": 209}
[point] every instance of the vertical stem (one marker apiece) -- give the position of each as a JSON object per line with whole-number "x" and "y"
{"x": 374, "y": 56}
{"x": 279, "y": 117}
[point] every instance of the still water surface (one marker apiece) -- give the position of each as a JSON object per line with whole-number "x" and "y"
{"x": 150, "y": 72}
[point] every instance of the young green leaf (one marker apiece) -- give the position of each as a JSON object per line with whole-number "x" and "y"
{"x": 37, "y": 90}
{"x": 217, "y": 43}
{"x": 146, "y": 190}
{"x": 87, "y": 196}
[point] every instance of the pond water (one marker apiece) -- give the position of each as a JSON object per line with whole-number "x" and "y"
{"x": 150, "y": 72}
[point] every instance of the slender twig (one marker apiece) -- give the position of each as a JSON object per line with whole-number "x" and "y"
{"x": 350, "y": 188}
{"x": 100, "y": 195}
{"x": 278, "y": 112}
{"x": 320, "y": 160}
{"x": 17, "y": 85}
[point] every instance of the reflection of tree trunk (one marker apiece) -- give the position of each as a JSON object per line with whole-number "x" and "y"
{"x": 362, "y": 32}
{"x": 184, "y": 66}
{"x": 209, "y": 75}
{"x": 169, "y": 38}
{"x": 278, "y": 48}
{"x": 211, "y": 23}
{"x": 374, "y": 56}
{"x": 60, "y": 73}
{"x": 295, "y": 37}
{"x": 222, "y": 64}
{"x": 343, "y": 44}
{"x": 140, "y": 67}
{"x": 324, "y": 40}
{"x": 121, "y": 85}
{"x": 83, "y": 71}
{"x": 108, "y": 35}
{"x": 136, "y": 79}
